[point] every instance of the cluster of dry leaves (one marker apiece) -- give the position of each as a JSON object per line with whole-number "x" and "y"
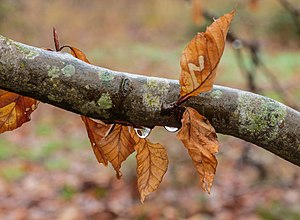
{"x": 114, "y": 143}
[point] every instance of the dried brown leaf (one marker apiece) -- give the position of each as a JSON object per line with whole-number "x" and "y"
{"x": 200, "y": 138}
{"x": 79, "y": 54}
{"x": 15, "y": 110}
{"x": 117, "y": 146}
{"x": 201, "y": 57}
{"x": 152, "y": 164}
{"x": 96, "y": 132}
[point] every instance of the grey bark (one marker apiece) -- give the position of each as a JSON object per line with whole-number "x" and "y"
{"x": 68, "y": 83}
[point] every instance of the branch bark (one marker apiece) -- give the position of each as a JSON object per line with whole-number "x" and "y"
{"x": 70, "y": 84}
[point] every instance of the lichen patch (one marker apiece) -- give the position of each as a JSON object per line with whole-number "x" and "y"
{"x": 28, "y": 53}
{"x": 154, "y": 91}
{"x": 53, "y": 71}
{"x": 216, "y": 94}
{"x": 92, "y": 106}
{"x": 105, "y": 101}
{"x": 68, "y": 70}
{"x": 152, "y": 101}
{"x": 105, "y": 75}
{"x": 260, "y": 116}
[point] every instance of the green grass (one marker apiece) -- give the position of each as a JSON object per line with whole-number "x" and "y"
{"x": 57, "y": 163}
{"x": 285, "y": 64}
{"x": 12, "y": 172}
{"x": 67, "y": 192}
{"x": 7, "y": 149}
{"x": 43, "y": 129}
{"x": 277, "y": 211}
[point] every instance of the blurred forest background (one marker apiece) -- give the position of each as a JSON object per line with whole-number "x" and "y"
{"x": 47, "y": 167}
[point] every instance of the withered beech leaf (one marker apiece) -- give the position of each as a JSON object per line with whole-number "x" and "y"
{"x": 200, "y": 138}
{"x": 201, "y": 57}
{"x": 96, "y": 132}
{"x": 15, "y": 110}
{"x": 117, "y": 146}
{"x": 152, "y": 164}
{"x": 79, "y": 54}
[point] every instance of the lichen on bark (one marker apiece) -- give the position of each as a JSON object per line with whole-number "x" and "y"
{"x": 105, "y": 101}
{"x": 68, "y": 70}
{"x": 154, "y": 93}
{"x": 260, "y": 117}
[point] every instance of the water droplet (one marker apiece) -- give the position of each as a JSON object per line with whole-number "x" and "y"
{"x": 142, "y": 132}
{"x": 171, "y": 129}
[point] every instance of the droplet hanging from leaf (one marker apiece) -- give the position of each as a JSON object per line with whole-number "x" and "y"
{"x": 171, "y": 129}
{"x": 201, "y": 57}
{"x": 143, "y": 132}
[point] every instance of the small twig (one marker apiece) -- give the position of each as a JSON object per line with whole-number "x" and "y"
{"x": 249, "y": 74}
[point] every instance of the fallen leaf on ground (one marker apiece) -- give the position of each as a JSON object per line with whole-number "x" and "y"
{"x": 200, "y": 138}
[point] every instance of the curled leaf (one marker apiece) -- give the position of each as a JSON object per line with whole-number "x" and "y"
{"x": 201, "y": 57}
{"x": 96, "y": 132}
{"x": 15, "y": 110}
{"x": 152, "y": 164}
{"x": 200, "y": 138}
{"x": 78, "y": 54}
{"x": 117, "y": 146}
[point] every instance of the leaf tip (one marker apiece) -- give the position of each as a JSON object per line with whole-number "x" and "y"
{"x": 142, "y": 197}
{"x": 119, "y": 174}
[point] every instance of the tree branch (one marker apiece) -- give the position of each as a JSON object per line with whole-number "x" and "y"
{"x": 68, "y": 83}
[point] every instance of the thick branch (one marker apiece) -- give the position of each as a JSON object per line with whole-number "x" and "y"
{"x": 68, "y": 83}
